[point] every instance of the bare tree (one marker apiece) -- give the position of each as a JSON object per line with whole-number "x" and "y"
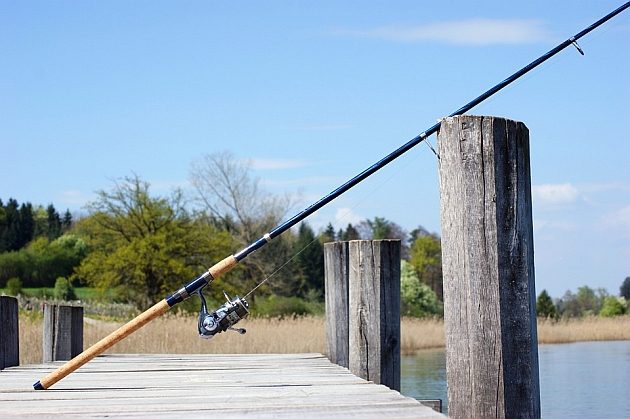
{"x": 229, "y": 193}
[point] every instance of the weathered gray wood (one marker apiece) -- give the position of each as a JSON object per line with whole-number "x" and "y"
{"x": 488, "y": 268}
{"x": 374, "y": 317}
{"x": 435, "y": 404}
{"x": 268, "y": 386}
{"x": 9, "y": 332}
{"x": 63, "y": 332}
{"x": 336, "y": 272}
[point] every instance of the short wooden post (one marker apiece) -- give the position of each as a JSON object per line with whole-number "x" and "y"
{"x": 336, "y": 295}
{"x": 63, "y": 332}
{"x": 9, "y": 333}
{"x": 488, "y": 268}
{"x": 374, "y": 292}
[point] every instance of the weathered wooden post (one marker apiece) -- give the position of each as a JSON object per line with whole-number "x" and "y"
{"x": 374, "y": 316}
{"x": 336, "y": 273}
{"x": 9, "y": 333}
{"x": 63, "y": 332}
{"x": 488, "y": 268}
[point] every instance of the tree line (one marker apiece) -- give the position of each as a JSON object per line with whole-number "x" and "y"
{"x": 139, "y": 247}
{"x": 585, "y": 302}
{"x": 21, "y": 223}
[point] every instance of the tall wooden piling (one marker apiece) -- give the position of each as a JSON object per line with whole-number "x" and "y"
{"x": 374, "y": 315}
{"x": 488, "y": 268}
{"x": 336, "y": 273}
{"x": 9, "y": 333}
{"x": 63, "y": 332}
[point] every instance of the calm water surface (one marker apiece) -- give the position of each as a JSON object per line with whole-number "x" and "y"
{"x": 586, "y": 379}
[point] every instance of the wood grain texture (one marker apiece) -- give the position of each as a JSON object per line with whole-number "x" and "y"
{"x": 374, "y": 315}
{"x": 336, "y": 273}
{"x": 488, "y": 268}
{"x": 226, "y": 386}
{"x": 9, "y": 332}
{"x": 62, "y": 332}
{"x": 223, "y": 266}
{"x": 105, "y": 343}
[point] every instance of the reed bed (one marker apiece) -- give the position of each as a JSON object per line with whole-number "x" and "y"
{"x": 584, "y": 329}
{"x": 178, "y": 334}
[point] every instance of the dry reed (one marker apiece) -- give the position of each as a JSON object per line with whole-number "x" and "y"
{"x": 178, "y": 334}
{"x": 584, "y": 329}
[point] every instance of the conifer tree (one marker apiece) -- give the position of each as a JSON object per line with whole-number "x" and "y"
{"x": 545, "y": 306}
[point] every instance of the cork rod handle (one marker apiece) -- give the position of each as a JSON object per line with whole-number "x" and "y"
{"x": 102, "y": 345}
{"x": 125, "y": 330}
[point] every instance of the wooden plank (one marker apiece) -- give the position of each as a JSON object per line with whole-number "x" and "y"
{"x": 9, "y": 332}
{"x": 488, "y": 268}
{"x": 374, "y": 326}
{"x": 336, "y": 273}
{"x": 292, "y": 385}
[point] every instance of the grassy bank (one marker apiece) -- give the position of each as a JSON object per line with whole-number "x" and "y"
{"x": 178, "y": 334}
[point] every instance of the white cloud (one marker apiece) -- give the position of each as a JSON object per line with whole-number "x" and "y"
{"x": 345, "y": 216}
{"x": 276, "y": 164}
{"x": 554, "y": 194}
{"x": 477, "y": 32}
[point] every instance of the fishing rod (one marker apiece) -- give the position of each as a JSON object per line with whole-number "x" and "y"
{"x": 234, "y": 310}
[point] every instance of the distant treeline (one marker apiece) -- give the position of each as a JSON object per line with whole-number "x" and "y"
{"x": 21, "y": 223}
{"x": 139, "y": 247}
{"x": 585, "y": 302}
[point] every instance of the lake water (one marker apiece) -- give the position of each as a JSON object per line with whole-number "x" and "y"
{"x": 586, "y": 379}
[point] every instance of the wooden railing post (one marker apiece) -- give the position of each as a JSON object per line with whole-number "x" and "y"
{"x": 374, "y": 295}
{"x": 336, "y": 295}
{"x": 63, "y": 332}
{"x": 9, "y": 333}
{"x": 488, "y": 268}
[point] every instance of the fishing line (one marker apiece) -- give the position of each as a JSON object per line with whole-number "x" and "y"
{"x": 386, "y": 179}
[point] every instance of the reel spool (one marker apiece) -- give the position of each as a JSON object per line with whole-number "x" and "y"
{"x": 223, "y": 318}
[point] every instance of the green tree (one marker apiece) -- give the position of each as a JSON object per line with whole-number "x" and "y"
{"x": 144, "y": 247}
{"x": 66, "y": 222}
{"x": 624, "y": 290}
{"x": 545, "y": 306}
{"x": 64, "y": 290}
{"x": 310, "y": 260}
{"x": 612, "y": 307}
{"x": 53, "y": 222}
{"x": 426, "y": 259}
{"x": 589, "y": 301}
{"x": 351, "y": 233}
{"x": 10, "y": 233}
{"x": 26, "y": 225}
{"x": 328, "y": 235}
{"x": 14, "y": 286}
{"x": 416, "y": 298}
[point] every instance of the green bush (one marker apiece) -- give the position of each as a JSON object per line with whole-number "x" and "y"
{"x": 612, "y": 307}
{"x": 277, "y": 306}
{"x": 417, "y": 299}
{"x": 64, "y": 290}
{"x": 14, "y": 286}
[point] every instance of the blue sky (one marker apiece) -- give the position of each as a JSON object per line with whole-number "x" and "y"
{"x": 312, "y": 93}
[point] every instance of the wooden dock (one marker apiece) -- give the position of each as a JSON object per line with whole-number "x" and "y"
{"x": 261, "y": 386}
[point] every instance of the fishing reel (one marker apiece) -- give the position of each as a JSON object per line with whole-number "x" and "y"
{"x": 223, "y": 318}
